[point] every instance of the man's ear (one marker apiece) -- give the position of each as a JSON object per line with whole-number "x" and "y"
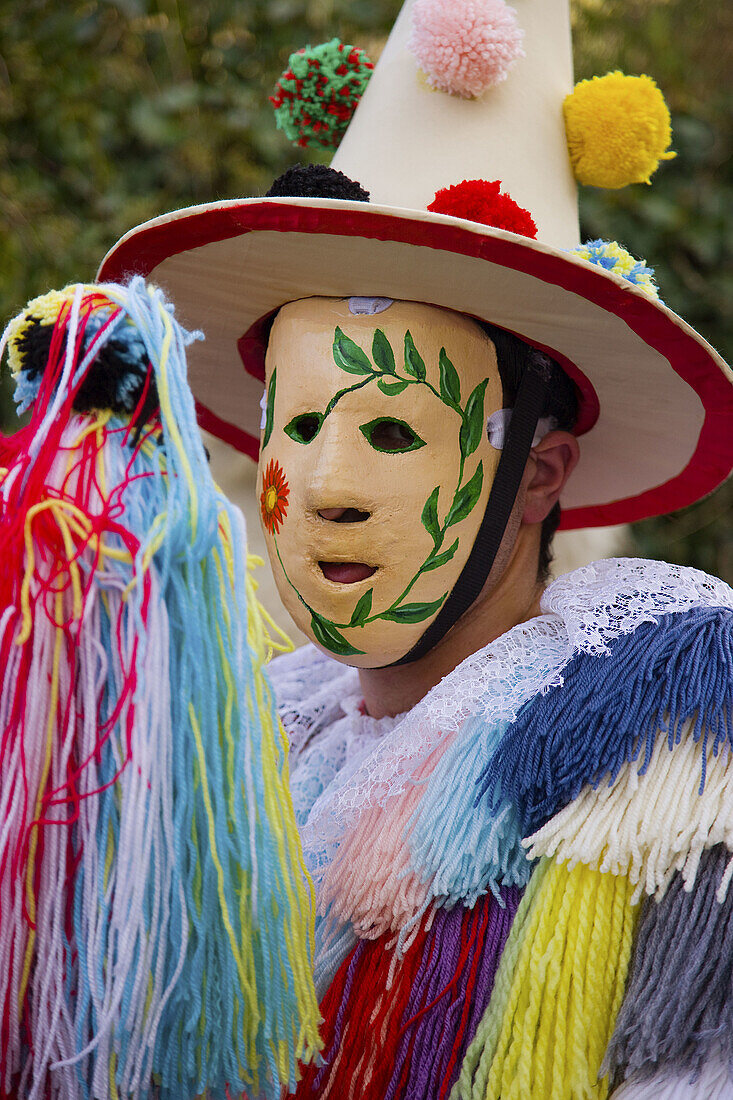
{"x": 550, "y": 464}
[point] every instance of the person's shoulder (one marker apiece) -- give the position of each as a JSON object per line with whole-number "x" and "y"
{"x": 649, "y": 671}
{"x": 613, "y": 597}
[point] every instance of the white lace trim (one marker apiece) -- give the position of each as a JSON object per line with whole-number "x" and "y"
{"x": 346, "y": 763}
{"x": 607, "y": 598}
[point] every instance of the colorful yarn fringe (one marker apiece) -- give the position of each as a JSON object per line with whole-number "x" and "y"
{"x": 611, "y": 709}
{"x": 397, "y": 1026}
{"x": 430, "y": 845}
{"x": 460, "y": 849}
{"x": 648, "y": 826}
{"x": 334, "y": 942}
{"x": 678, "y": 1005}
{"x": 369, "y": 883}
{"x": 557, "y": 990}
{"x": 155, "y": 917}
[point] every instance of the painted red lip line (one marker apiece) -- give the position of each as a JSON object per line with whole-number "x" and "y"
{"x": 346, "y": 572}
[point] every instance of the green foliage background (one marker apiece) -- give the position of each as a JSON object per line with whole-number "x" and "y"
{"x": 114, "y": 111}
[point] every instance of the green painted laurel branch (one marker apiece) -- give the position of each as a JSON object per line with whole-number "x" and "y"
{"x": 383, "y": 370}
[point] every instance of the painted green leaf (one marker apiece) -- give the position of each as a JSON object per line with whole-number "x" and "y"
{"x": 391, "y": 388}
{"x": 362, "y": 609}
{"x": 450, "y": 383}
{"x": 430, "y": 517}
{"x": 382, "y": 352}
{"x": 349, "y": 356}
{"x": 413, "y": 612}
{"x": 329, "y": 637}
{"x": 466, "y": 497}
{"x": 414, "y": 364}
{"x": 269, "y": 410}
{"x": 436, "y": 560}
{"x": 472, "y": 428}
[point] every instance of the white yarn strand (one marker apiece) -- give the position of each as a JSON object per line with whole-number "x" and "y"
{"x": 713, "y": 1083}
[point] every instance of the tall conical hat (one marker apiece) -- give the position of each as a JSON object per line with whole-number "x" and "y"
{"x": 656, "y": 400}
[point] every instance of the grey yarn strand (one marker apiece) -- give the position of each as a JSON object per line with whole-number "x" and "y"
{"x": 678, "y": 1005}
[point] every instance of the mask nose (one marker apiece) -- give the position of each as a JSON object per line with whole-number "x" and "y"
{"x": 336, "y": 490}
{"x": 343, "y": 515}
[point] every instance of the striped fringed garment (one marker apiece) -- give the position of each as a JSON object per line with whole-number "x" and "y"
{"x": 544, "y": 911}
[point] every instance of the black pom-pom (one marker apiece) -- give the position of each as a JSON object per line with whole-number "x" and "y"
{"x": 116, "y": 379}
{"x": 316, "y": 181}
{"x": 33, "y": 346}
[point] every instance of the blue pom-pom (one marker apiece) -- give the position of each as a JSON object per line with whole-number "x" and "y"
{"x": 612, "y": 256}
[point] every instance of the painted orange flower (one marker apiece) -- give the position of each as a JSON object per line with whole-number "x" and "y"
{"x": 274, "y": 497}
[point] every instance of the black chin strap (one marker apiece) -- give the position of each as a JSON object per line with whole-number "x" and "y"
{"x": 508, "y": 477}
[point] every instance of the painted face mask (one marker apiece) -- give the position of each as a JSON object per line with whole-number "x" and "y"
{"x": 375, "y": 468}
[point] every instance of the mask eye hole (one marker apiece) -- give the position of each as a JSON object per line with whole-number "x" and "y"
{"x": 391, "y": 436}
{"x": 305, "y": 427}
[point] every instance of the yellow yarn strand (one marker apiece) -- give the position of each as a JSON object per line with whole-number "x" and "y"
{"x": 557, "y": 991}
{"x": 242, "y": 953}
{"x": 300, "y": 934}
{"x": 271, "y": 638}
{"x": 477, "y": 1063}
{"x": 244, "y": 976}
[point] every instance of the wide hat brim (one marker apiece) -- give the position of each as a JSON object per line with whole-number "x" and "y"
{"x": 656, "y": 421}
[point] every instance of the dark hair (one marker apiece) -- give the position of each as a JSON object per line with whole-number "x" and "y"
{"x": 514, "y": 357}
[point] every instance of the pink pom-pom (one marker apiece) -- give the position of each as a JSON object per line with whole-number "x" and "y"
{"x": 465, "y": 48}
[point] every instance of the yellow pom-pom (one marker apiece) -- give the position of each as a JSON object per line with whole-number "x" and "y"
{"x": 618, "y": 129}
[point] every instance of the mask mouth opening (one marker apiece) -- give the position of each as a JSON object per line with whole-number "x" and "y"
{"x": 346, "y": 572}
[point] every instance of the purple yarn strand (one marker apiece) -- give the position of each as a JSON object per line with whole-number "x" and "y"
{"x": 430, "y": 1040}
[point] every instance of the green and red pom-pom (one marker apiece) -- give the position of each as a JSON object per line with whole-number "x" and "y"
{"x": 483, "y": 201}
{"x": 318, "y": 92}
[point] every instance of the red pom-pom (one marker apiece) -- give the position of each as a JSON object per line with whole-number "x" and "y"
{"x": 483, "y": 201}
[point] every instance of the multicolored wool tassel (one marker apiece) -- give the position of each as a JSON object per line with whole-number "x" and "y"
{"x": 156, "y": 921}
{"x": 557, "y": 990}
{"x": 397, "y": 1026}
